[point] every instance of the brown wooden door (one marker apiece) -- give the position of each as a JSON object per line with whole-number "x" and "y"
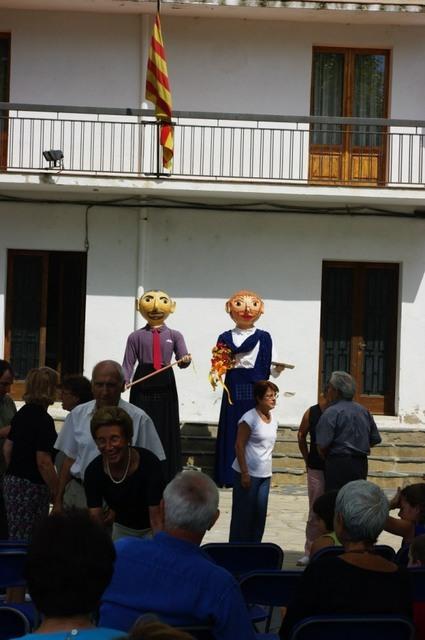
{"x": 45, "y": 306}
{"x": 359, "y": 329}
{"x": 349, "y": 83}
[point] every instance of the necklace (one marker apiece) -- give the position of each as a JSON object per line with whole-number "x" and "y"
{"x": 108, "y": 471}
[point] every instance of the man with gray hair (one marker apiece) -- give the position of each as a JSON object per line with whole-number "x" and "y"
{"x": 75, "y": 439}
{"x": 345, "y": 433}
{"x": 170, "y": 575}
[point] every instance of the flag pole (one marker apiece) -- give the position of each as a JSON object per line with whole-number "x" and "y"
{"x": 158, "y": 122}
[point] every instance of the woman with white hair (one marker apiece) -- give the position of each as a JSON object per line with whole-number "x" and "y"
{"x": 358, "y": 581}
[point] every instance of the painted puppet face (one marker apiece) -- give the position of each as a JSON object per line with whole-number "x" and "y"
{"x": 245, "y": 307}
{"x": 155, "y": 307}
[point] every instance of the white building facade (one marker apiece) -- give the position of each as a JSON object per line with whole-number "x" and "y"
{"x": 323, "y": 218}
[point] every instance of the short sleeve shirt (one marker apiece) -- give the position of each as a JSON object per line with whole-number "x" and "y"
{"x": 259, "y": 448}
{"x": 131, "y": 498}
{"x": 32, "y": 430}
{"x": 76, "y": 442}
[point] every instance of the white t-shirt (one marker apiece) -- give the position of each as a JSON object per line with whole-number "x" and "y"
{"x": 259, "y": 448}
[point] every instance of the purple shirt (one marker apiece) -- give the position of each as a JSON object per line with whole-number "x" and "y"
{"x": 139, "y": 348}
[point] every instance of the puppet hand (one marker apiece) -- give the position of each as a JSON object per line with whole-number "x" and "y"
{"x": 185, "y": 361}
{"x": 279, "y": 368}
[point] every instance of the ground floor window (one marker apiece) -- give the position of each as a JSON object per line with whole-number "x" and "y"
{"x": 45, "y": 308}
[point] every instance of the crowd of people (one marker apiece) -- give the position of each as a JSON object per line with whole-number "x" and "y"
{"x": 123, "y": 540}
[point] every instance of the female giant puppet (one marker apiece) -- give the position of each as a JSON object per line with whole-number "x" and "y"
{"x": 152, "y": 347}
{"x": 249, "y": 354}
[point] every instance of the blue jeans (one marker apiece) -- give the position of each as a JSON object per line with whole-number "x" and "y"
{"x": 249, "y": 510}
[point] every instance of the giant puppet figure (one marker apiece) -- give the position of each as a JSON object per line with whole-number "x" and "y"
{"x": 248, "y": 352}
{"x": 152, "y": 347}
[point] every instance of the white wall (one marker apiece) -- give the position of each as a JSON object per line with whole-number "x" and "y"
{"x": 214, "y": 64}
{"x": 202, "y": 257}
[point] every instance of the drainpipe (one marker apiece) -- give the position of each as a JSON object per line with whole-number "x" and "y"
{"x": 141, "y": 260}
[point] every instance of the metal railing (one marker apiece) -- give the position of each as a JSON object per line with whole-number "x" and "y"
{"x": 216, "y": 146}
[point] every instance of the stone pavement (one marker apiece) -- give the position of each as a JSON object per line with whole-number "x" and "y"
{"x": 285, "y": 525}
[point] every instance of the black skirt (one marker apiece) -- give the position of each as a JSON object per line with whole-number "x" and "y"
{"x": 158, "y": 397}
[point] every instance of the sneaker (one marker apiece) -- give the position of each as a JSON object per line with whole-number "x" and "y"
{"x": 303, "y": 562}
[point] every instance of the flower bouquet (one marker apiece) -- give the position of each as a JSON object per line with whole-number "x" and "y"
{"x": 222, "y": 360}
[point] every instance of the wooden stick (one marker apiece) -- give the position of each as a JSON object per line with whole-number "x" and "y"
{"x": 284, "y": 364}
{"x": 154, "y": 373}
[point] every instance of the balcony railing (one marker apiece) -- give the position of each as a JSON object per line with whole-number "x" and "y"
{"x": 215, "y": 146}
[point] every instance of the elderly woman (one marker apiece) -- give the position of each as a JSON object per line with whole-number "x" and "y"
{"x": 255, "y": 440}
{"x": 358, "y": 581}
{"x": 128, "y": 479}
{"x": 345, "y": 433}
{"x": 31, "y": 480}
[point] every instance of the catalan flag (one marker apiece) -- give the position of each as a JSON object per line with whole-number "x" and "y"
{"x": 158, "y": 92}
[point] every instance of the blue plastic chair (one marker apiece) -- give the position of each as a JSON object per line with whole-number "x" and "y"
{"x": 383, "y": 550}
{"x": 12, "y": 567}
{"x": 270, "y": 589}
{"x": 240, "y": 558}
{"x": 354, "y": 627}
{"x": 13, "y": 623}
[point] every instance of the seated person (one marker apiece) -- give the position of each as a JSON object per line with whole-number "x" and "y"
{"x": 170, "y": 575}
{"x": 70, "y": 563}
{"x": 324, "y": 508}
{"x": 357, "y": 581}
{"x": 128, "y": 479}
{"x": 411, "y": 521}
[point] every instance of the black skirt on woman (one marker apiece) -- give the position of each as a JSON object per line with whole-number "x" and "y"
{"x": 157, "y": 396}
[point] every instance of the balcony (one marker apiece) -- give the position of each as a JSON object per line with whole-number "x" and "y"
{"x": 215, "y": 147}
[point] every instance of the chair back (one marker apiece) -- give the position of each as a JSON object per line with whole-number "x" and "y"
{"x": 13, "y": 623}
{"x": 12, "y": 567}
{"x": 269, "y": 588}
{"x": 383, "y": 550}
{"x": 353, "y": 627}
{"x": 240, "y": 558}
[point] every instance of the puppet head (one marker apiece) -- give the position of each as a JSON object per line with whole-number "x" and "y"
{"x": 155, "y": 306}
{"x": 245, "y": 307}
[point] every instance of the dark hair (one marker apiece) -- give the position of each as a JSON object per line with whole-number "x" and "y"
{"x": 79, "y": 386}
{"x": 324, "y": 508}
{"x": 261, "y": 387}
{"x": 414, "y": 494}
{"x": 6, "y": 366}
{"x": 112, "y": 417}
{"x": 70, "y": 563}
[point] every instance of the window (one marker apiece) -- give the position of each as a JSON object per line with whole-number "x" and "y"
{"x": 45, "y": 306}
{"x": 349, "y": 83}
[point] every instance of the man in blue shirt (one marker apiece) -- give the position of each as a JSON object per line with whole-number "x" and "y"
{"x": 170, "y": 575}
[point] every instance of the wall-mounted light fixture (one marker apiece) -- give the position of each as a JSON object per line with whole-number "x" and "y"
{"x": 54, "y": 157}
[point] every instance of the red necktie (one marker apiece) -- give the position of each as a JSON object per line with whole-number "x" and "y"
{"x": 156, "y": 349}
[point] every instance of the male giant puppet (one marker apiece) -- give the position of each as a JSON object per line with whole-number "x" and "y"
{"x": 152, "y": 347}
{"x": 251, "y": 351}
